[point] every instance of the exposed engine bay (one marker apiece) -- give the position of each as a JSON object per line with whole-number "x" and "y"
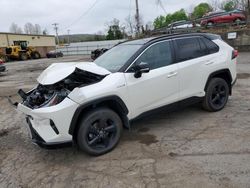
{"x": 49, "y": 95}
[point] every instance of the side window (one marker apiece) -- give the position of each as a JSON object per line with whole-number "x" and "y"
{"x": 188, "y": 48}
{"x": 212, "y": 47}
{"x": 158, "y": 55}
{"x": 203, "y": 47}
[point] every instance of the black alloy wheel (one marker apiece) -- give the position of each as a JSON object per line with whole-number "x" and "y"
{"x": 216, "y": 95}
{"x": 99, "y": 131}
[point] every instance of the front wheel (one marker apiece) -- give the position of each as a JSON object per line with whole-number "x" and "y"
{"x": 23, "y": 56}
{"x": 217, "y": 94}
{"x": 36, "y": 55}
{"x": 210, "y": 24}
{"x": 99, "y": 132}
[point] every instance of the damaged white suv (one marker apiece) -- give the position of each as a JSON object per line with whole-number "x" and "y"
{"x": 90, "y": 103}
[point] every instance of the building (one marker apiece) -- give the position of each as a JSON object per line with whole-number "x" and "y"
{"x": 42, "y": 43}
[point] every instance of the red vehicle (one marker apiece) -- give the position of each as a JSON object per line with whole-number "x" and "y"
{"x": 227, "y": 17}
{"x": 2, "y": 67}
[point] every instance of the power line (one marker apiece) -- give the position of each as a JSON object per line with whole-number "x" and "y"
{"x": 82, "y": 15}
{"x": 159, "y": 2}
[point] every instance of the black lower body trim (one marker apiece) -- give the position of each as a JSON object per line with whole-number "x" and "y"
{"x": 54, "y": 145}
{"x": 234, "y": 82}
{"x": 171, "y": 107}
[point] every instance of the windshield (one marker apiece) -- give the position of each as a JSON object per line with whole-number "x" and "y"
{"x": 115, "y": 58}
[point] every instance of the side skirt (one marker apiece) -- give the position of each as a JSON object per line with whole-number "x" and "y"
{"x": 170, "y": 107}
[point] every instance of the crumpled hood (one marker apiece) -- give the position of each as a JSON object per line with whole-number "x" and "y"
{"x": 58, "y": 71}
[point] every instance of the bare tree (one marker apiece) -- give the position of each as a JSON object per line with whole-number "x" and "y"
{"x": 149, "y": 26}
{"x": 14, "y": 28}
{"x": 239, "y": 4}
{"x": 130, "y": 25}
{"x": 37, "y": 29}
{"x": 29, "y": 28}
{"x": 242, "y": 4}
{"x": 216, "y": 5}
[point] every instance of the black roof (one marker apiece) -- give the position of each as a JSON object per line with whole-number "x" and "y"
{"x": 169, "y": 36}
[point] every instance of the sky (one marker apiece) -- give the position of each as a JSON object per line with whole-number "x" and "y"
{"x": 82, "y": 16}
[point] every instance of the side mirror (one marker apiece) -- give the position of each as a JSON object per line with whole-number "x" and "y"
{"x": 141, "y": 68}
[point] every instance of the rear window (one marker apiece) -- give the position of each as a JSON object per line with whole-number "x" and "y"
{"x": 211, "y": 46}
{"x": 188, "y": 48}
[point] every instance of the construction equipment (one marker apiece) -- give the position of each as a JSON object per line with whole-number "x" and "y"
{"x": 3, "y": 56}
{"x": 21, "y": 51}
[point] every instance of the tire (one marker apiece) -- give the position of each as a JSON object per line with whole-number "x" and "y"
{"x": 5, "y": 58}
{"x": 99, "y": 131}
{"x": 23, "y": 56}
{"x": 237, "y": 21}
{"x": 217, "y": 94}
{"x": 36, "y": 55}
{"x": 210, "y": 24}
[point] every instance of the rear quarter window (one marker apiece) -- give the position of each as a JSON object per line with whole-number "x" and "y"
{"x": 211, "y": 46}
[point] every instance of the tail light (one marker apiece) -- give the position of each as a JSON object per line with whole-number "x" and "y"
{"x": 235, "y": 54}
{"x": 1, "y": 62}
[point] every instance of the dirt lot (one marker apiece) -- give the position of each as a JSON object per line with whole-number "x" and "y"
{"x": 185, "y": 148}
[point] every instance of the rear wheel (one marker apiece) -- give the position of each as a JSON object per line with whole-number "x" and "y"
{"x": 99, "y": 132}
{"x": 237, "y": 21}
{"x": 217, "y": 94}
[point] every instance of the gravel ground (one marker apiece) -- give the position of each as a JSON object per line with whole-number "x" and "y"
{"x": 185, "y": 148}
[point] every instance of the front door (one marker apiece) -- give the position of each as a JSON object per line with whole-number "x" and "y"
{"x": 158, "y": 87}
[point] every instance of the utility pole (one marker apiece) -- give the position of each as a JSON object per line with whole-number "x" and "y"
{"x": 68, "y": 36}
{"x": 248, "y": 11}
{"x": 56, "y": 29}
{"x": 137, "y": 17}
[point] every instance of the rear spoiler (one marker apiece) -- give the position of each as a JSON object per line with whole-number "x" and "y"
{"x": 212, "y": 36}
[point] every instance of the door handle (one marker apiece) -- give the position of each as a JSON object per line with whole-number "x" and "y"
{"x": 172, "y": 74}
{"x": 209, "y": 63}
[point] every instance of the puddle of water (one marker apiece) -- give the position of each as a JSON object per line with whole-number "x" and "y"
{"x": 243, "y": 75}
{"x": 5, "y": 132}
{"x": 143, "y": 130}
{"x": 146, "y": 139}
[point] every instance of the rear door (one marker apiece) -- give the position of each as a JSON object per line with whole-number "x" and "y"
{"x": 194, "y": 61}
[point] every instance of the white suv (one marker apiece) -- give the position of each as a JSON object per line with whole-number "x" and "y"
{"x": 90, "y": 103}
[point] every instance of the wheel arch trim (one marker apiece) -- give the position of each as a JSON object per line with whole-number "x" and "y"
{"x": 121, "y": 105}
{"x": 219, "y": 72}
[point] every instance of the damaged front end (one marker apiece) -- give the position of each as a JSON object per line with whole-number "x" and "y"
{"x": 50, "y": 95}
{"x": 48, "y": 109}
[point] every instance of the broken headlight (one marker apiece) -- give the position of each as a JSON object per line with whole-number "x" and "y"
{"x": 43, "y": 96}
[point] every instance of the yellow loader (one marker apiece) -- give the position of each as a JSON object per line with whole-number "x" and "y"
{"x": 21, "y": 51}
